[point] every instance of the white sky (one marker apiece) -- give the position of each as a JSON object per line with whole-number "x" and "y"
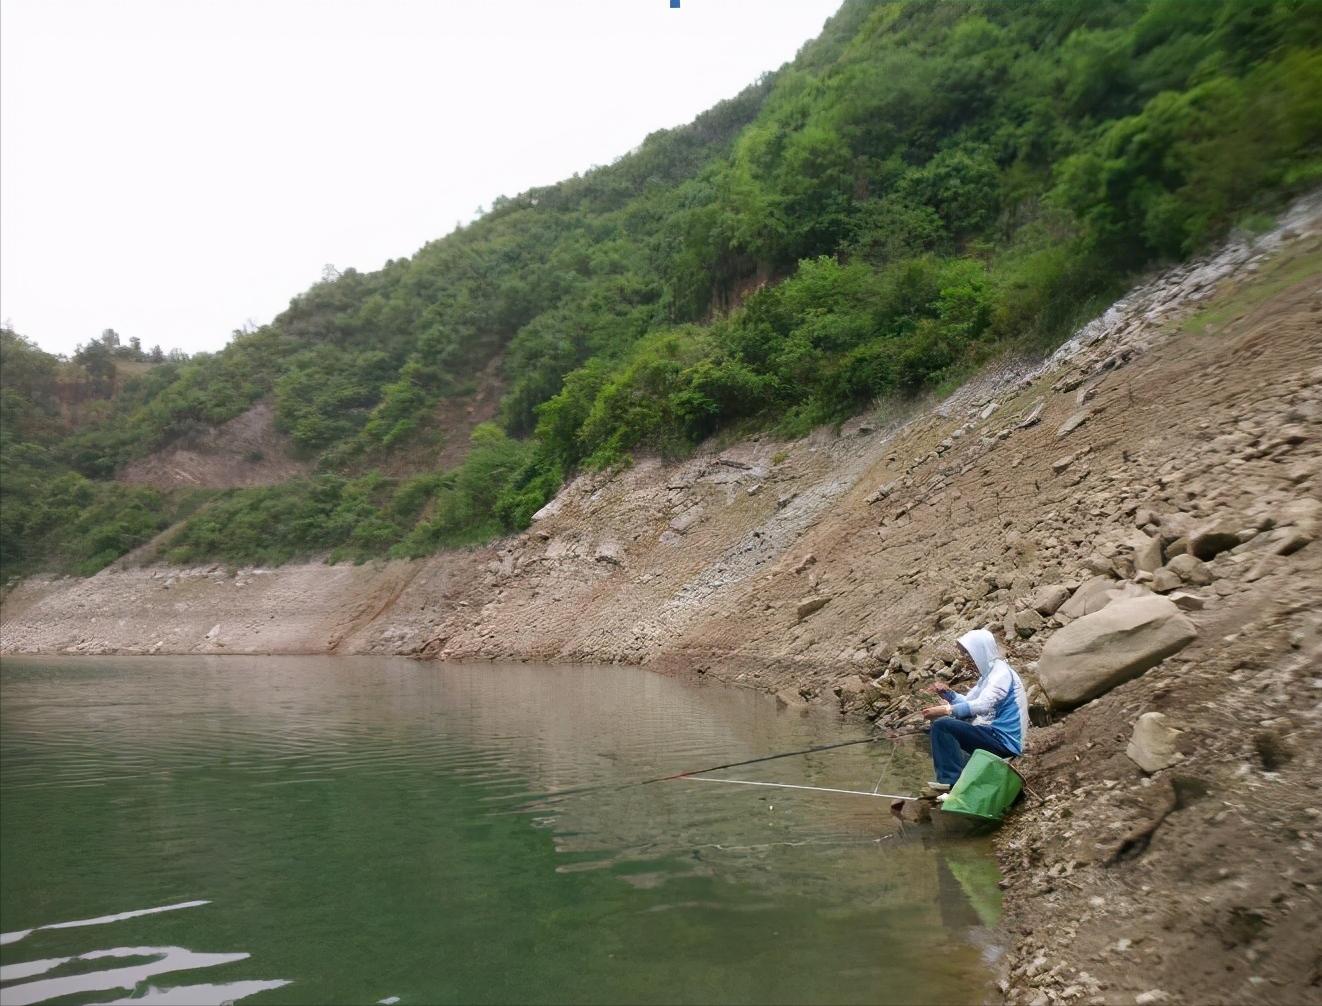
{"x": 174, "y": 168}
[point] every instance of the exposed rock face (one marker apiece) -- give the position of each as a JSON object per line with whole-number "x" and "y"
{"x": 1152, "y": 747}
{"x": 248, "y": 450}
{"x": 1099, "y": 651}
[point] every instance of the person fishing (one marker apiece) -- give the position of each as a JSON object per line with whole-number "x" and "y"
{"x": 992, "y": 716}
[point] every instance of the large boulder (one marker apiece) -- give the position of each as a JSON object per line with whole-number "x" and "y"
{"x": 1092, "y": 655}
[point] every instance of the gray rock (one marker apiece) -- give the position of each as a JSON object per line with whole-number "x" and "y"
{"x": 852, "y": 686}
{"x": 1151, "y": 997}
{"x": 1034, "y": 415}
{"x": 550, "y": 510}
{"x": 607, "y": 551}
{"x": 1191, "y": 570}
{"x": 1186, "y": 601}
{"x": 1027, "y": 622}
{"x": 1045, "y": 600}
{"x": 1099, "y": 565}
{"x": 1166, "y": 580}
{"x": 791, "y": 698}
{"x": 1147, "y": 555}
{"x": 1121, "y": 591}
{"x": 1288, "y": 436}
{"x": 811, "y": 604}
{"x": 1288, "y": 540}
{"x": 1091, "y": 656}
{"x": 1144, "y": 516}
{"x": 881, "y": 493}
{"x": 1152, "y": 746}
{"x": 1073, "y": 423}
{"x": 1305, "y": 513}
{"x": 1091, "y": 596}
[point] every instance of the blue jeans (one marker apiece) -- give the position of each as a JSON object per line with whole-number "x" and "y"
{"x": 954, "y": 740}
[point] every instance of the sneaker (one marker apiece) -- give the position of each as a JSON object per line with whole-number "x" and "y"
{"x": 942, "y": 797}
{"x": 940, "y": 787}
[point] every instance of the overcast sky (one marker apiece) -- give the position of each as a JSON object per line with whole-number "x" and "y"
{"x": 174, "y": 168}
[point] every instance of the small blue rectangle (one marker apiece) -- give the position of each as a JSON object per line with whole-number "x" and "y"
{"x": 674, "y": 3}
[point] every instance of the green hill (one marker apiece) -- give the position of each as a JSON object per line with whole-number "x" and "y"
{"x": 923, "y": 186}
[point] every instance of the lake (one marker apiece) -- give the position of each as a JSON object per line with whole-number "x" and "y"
{"x": 355, "y": 830}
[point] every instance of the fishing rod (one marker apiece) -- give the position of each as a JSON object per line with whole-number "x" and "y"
{"x": 888, "y": 736}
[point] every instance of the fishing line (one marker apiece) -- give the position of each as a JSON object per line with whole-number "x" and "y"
{"x": 790, "y": 785}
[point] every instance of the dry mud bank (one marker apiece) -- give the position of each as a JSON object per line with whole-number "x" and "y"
{"x": 1171, "y": 450}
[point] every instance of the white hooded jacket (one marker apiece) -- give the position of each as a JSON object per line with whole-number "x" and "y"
{"x": 998, "y": 700}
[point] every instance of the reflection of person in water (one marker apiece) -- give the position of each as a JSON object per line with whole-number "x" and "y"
{"x": 993, "y": 716}
{"x": 968, "y": 891}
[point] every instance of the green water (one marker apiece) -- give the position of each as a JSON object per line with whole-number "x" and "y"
{"x": 358, "y": 831}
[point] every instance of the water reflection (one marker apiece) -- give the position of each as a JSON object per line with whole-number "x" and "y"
{"x": 127, "y": 968}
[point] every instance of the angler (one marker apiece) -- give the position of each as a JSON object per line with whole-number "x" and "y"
{"x": 992, "y": 717}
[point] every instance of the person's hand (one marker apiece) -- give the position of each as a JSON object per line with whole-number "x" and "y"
{"x": 939, "y": 685}
{"x": 936, "y": 712}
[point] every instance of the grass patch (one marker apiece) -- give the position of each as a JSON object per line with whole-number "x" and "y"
{"x": 1280, "y": 273}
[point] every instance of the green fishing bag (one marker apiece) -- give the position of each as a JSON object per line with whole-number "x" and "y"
{"x": 986, "y": 788}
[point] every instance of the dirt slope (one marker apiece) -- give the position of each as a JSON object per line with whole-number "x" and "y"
{"x": 246, "y": 451}
{"x": 838, "y": 569}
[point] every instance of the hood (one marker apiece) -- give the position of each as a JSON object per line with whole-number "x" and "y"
{"x": 982, "y": 647}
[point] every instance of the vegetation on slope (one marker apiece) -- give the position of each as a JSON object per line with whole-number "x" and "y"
{"x": 924, "y": 184}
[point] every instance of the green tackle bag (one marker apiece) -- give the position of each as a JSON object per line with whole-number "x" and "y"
{"x": 986, "y": 788}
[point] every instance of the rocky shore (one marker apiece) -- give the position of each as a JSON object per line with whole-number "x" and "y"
{"x": 1135, "y": 517}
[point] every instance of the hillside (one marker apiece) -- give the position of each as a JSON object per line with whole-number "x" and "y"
{"x": 923, "y": 188}
{"x": 835, "y": 569}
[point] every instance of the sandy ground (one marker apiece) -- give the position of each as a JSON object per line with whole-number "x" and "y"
{"x": 838, "y": 569}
